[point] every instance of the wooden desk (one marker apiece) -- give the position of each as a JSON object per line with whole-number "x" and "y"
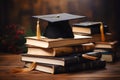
{"x": 11, "y": 61}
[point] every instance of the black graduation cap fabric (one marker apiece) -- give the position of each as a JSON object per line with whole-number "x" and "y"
{"x": 58, "y": 25}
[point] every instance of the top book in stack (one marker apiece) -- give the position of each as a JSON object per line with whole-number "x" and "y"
{"x": 87, "y": 27}
{"x": 59, "y": 42}
{"x": 58, "y": 25}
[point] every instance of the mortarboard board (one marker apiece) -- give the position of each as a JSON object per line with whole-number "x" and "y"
{"x": 58, "y": 25}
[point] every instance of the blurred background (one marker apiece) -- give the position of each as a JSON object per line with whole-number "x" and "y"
{"x": 21, "y": 12}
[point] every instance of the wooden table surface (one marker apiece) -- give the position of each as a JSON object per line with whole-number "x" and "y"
{"x": 8, "y": 62}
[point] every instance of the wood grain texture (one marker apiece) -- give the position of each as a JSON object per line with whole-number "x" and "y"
{"x": 12, "y": 61}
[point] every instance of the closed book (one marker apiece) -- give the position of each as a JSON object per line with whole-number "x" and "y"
{"x": 63, "y": 60}
{"x": 60, "y": 51}
{"x": 87, "y": 27}
{"x": 97, "y": 37}
{"x": 59, "y": 42}
{"x": 107, "y": 55}
{"x": 56, "y": 69}
{"x": 106, "y": 45}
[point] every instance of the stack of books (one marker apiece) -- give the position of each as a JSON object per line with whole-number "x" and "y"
{"x": 61, "y": 55}
{"x": 109, "y": 50}
{"x": 62, "y": 51}
{"x": 108, "y": 47}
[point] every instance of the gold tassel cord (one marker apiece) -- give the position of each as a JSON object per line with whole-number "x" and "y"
{"x": 102, "y": 32}
{"x": 19, "y": 70}
{"x": 38, "y": 32}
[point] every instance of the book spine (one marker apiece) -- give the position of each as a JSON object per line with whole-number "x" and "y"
{"x": 88, "y": 47}
{"x": 61, "y": 51}
{"x": 92, "y": 65}
{"x": 57, "y": 69}
{"x": 78, "y": 60}
{"x": 73, "y": 49}
{"x": 73, "y": 60}
{"x": 87, "y": 66}
{"x": 65, "y": 61}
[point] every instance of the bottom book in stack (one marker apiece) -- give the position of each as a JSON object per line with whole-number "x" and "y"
{"x": 66, "y": 64}
{"x": 55, "y": 69}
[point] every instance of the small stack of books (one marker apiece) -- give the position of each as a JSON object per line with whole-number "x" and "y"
{"x": 107, "y": 46}
{"x": 61, "y": 55}
{"x": 108, "y": 50}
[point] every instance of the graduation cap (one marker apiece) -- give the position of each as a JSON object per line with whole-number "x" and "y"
{"x": 58, "y": 25}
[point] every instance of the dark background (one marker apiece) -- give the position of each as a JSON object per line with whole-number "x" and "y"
{"x": 21, "y": 12}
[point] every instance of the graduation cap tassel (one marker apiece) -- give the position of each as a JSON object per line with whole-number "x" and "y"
{"x": 102, "y": 32}
{"x": 38, "y": 33}
{"x": 19, "y": 70}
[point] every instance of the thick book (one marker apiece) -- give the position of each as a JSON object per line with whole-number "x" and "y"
{"x": 57, "y": 69}
{"x": 106, "y": 45}
{"x": 60, "y": 51}
{"x": 87, "y": 27}
{"x": 59, "y": 42}
{"x": 63, "y": 60}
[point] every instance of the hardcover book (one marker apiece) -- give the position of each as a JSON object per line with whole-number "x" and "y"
{"x": 63, "y": 60}
{"x": 87, "y": 27}
{"x": 57, "y": 69}
{"x": 60, "y": 51}
{"x": 106, "y": 45}
{"x": 59, "y": 42}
